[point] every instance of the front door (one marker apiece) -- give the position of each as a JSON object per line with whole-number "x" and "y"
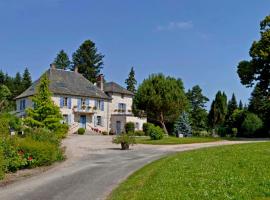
{"x": 83, "y": 121}
{"x": 118, "y": 127}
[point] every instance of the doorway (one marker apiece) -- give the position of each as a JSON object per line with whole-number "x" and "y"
{"x": 83, "y": 121}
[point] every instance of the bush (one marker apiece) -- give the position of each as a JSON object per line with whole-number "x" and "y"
{"x": 38, "y": 153}
{"x": 222, "y": 131}
{"x": 139, "y": 133}
{"x": 8, "y": 121}
{"x": 251, "y": 124}
{"x": 61, "y": 131}
{"x": 201, "y": 133}
{"x": 104, "y": 133}
{"x": 42, "y": 135}
{"x": 155, "y": 132}
{"x": 129, "y": 127}
{"x": 234, "y": 132}
{"x": 81, "y": 131}
{"x": 2, "y": 161}
{"x": 146, "y": 128}
{"x": 125, "y": 139}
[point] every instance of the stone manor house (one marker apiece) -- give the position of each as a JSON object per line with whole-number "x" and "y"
{"x": 104, "y": 106}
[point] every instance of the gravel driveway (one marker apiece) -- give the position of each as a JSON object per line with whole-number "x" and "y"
{"x": 94, "y": 167}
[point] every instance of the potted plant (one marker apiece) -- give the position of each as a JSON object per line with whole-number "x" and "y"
{"x": 125, "y": 139}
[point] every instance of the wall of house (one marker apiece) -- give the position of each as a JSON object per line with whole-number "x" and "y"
{"x": 28, "y": 103}
{"x": 137, "y": 121}
{"x": 118, "y": 98}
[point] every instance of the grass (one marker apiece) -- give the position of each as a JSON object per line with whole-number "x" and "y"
{"x": 238, "y": 172}
{"x": 175, "y": 140}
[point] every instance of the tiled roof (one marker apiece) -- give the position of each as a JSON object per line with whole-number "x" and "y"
{"x": 67, "y": 83}
{"x": 116, "y": 88}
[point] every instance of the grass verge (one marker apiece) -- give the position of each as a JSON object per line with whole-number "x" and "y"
{"x": 239, "y": 172}
{"x": 175, "y": 140}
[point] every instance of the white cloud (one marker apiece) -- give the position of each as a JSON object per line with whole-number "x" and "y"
{"x": 184, "y": 25}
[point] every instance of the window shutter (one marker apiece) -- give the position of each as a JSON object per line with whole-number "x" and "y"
{"x": 102, "y": 105}
{"x": 69, "y": 103}
{"x": 88, "y": 102}
{"x": 79, "y": 103}
{"x": 61, "y": 102}
{"x": 96, "y": 104}
{"x": 95, "y": 121}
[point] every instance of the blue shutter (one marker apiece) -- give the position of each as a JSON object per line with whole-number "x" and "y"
{"x": 88, "y": 102}
{"x": 96, "y": 104}
{"x": 20, "y": 104}
{"x": 69, "y": 102}
{"x": 61, "y": 102}
{"x": 79, "y": 103}
{"x": 95, "y": 121}
{"x": 102, "y": 105}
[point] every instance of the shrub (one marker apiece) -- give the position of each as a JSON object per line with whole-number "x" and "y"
{"x": 234, "y": 132}
{"x": 156, "y": 133}
{"x": 139, "y": 133}
{"x": 146, "y": 128}
{"x": 61, "y": 131}
{"x": 81, "y": 131}
{"x": 125, "y": 139}
{"x": 129, "y": 127}
{"x": 251, "y": 124}
{"x": 42, "y": 135}
{"x": 2, "y": 161}
{"x": 222, "y": 131}
{"x": 8, "y": 121}
{"x": 104, "y": 133}
{"x": 38, "y": 153}
{"x": 202, "y": 133}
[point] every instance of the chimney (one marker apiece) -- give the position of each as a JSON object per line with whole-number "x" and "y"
{"x": 52, "y": 66}
{"x": 100, "y": 81}
{"x": 76, "y": 69}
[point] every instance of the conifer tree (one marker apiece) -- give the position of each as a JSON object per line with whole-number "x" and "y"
{"x": 182, "y": 125}
{"x": 62, "y": 60}
{"x": 26, "y": 79}
{"x": 44, "y": 112}
{"x": 131, "y": 81}
{"x": 240, "y": 106}
{"x": 232, "y": 106}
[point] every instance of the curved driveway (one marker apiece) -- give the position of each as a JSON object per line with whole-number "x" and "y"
{"x": 93, "y": 168}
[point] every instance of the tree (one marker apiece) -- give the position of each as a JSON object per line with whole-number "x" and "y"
{"x": 44, "y": 113}
{"x": 4, "y": 97}
{"x": 183, "y": 125}
{"x": 198, "y": 113}
{"x": 232, "y": 106}
{"x": 161, "y": 98}
{"x": 240, "y": 106}
{"x": 251, "y": 124}
{"x": 26, "y": 79}
{"x": 17, "y": 85}
{"x": 62, "y": 60}
{"x": 131, "y": 81}
{"x": 2, "y": 77}
{"x": 257, "y": 70}
{"x": 88, "y": 60}
{"x": 218, "y": 110}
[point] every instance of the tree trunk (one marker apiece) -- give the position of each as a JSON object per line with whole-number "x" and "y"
{"x": 163, "y": 124}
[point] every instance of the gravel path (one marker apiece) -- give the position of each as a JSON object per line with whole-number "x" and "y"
{"x": 94, "y": 167}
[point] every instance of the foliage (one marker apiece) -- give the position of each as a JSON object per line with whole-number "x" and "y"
{"x": 88, "y": 60}
{"x": 2, "y": 164}
{"x": 251, "y": 124}
{"x": 105, "y": 133}
{"x": 198, "y": 113}
{"x": 203, "y": 133}
{"x": 182, "y": 125}
{"x": 61, "y": 131}
{"x": 234, "y": 132}
{"x": 125, "y": 139}
{"x": 139, "y": 133}
{"x": 26, "y": 79}
{"x": 8, "y": 121}
{"x": 129, "y": 127}
{"x": 146, "y": 127}
{"x": 222, "y": 171}
{"x": 62, "y": 60}
{"x": 155, "y": 132}
{"x": 232, "y": 106}
{"x": 5, "y": 94}
{"x": 131, "y": 81}
{"x": 81, "y": 131}
{"x": 42, "y": 135}
{"x": 218, "y": 110}
{"x": 45, "y": 113}
{"x": 257, "y": 69}
{"x": 161, "y": 98}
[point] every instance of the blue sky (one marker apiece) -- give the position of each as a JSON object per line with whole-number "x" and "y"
{"x": 199, "y": 41}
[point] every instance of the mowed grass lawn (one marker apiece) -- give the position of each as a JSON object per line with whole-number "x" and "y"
{"x": 228, "y": 172}
{"x": 175, "y": 140}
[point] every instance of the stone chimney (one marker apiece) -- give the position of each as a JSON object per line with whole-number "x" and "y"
{"x": 52, "y": 66}
{"x": 100, "y": 81}
{"x": 76, "y": 69}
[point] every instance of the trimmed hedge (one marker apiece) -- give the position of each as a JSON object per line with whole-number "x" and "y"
{"x": 139, "y": 133}
{"x": 129, "y": 127}
{"x": 81, "y": 131}
{"x": 155, "y": 132}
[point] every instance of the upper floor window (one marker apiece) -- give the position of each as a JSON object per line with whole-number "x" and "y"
{"x": 83, "y": 100}
{"x": 65, "y": 102}
{"x": 122, "y": 107}
{"x": 22, "y": 104}
{"x": 99, "y": 104}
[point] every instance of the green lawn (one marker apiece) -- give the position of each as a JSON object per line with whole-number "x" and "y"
{"x": 175, "y": 140}
{"x": 239, "y": 172}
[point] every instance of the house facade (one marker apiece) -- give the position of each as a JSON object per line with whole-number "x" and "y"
{"x": 97, "y": 108}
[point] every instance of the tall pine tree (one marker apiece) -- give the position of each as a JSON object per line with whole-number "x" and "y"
{"x": 88, "y": 61}
{"x": 183, "y": 125}
{"x": 26, "y": 79}
{"x": 62, "y": 60}
{"x": 232, "y": 106}
{"x": 131, "y": 81}
{"x": 240, "y": 106}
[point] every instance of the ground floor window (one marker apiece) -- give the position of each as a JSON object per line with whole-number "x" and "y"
{"x": 65, "y": 119}
{"x": 137, "y": 126}
{"x": 99, "y": 120}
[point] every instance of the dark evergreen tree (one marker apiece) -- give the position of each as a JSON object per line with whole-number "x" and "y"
{"x": 218, "y": 110}
{"x": 62, "y": 60}
{"x": 240, "y": 106}
{"x": 88, "y": 61}
{"x": 26, "y": 79}
{"x": 17, "y": 85}
{"x": 183, "y": 125}
{"x": 131, "y": 81}
{"x": 2, "y": 77}
{"x": 198, "y": 113}
{"x": 232, "y": 106}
